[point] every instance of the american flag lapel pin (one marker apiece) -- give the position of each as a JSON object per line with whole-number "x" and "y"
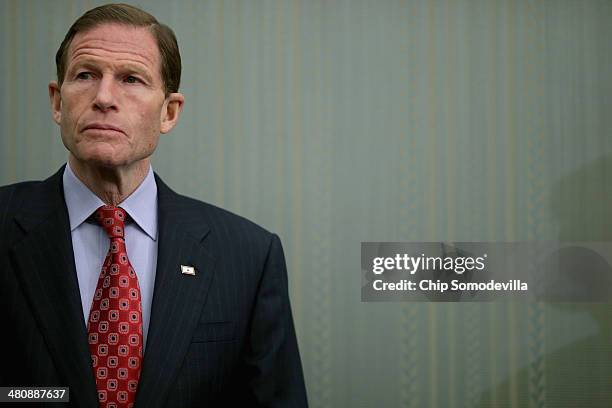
{"x": 187, "y": 270}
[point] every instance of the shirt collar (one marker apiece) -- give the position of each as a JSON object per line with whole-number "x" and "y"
{"x": 141, "y": 205}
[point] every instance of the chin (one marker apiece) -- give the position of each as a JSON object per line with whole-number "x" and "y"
{"x": 101, "y": 160}
{"x": 108, "y": 164}
{"x": 109, "y": 161}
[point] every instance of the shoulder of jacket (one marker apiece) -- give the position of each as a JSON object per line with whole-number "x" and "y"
{"x": 216, "y": 215}
{"x": 12, "y": 194}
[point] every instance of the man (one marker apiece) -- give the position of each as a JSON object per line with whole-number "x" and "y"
{"x": 112, "y": 284}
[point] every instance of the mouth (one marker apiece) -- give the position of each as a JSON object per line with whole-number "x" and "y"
{"x": 103, "y": 128}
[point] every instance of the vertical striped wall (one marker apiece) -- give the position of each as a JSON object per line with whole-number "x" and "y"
{"x": 336, "y": 122}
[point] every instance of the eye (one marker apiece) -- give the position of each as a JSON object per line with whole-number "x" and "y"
{"x": 84, "y": 75}
{"x": 131, "y": 79}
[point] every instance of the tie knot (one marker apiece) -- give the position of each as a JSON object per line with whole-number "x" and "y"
{"x": 112, "y": 219}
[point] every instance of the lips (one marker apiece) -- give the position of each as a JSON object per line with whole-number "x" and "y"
{"x": 102, "y": 126}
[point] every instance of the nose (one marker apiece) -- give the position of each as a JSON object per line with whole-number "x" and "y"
{"x": 105, "y": 96}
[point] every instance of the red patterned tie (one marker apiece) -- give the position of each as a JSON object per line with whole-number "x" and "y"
{"x": 115, "y": 321}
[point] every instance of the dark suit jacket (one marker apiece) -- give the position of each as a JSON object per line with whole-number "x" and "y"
{"x": 224, "y": 337}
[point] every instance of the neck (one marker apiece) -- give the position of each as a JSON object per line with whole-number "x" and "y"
{"x": 111, "y": 185}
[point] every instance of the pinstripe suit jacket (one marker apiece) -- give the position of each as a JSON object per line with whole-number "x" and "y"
{"x": 224, "y": 337}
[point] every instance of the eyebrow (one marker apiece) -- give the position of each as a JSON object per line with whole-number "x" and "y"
{"x": 128, "y": 66}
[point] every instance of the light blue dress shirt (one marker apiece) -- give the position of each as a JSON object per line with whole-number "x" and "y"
{"x": 90, "y": 242}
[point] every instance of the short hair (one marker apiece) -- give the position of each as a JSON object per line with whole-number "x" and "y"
{"x": 129, "y": 16}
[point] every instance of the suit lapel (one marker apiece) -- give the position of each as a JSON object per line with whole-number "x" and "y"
{"x": 45, "y": 269}
{"x": 178, "y": 298}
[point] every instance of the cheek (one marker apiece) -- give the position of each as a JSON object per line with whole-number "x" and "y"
{"x": 149, "y": 127}
{"x": 152, "y": 143}
{"x": 70, "y": 113}
{"x": 67, "y": 122}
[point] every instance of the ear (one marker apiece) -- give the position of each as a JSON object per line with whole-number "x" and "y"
{"x": 55, "y": 98}
{"x": 173, "y": 105}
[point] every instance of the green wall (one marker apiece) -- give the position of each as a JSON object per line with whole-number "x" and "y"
{"x": 336, "y": 122}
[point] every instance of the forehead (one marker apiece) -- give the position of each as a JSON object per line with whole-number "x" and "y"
{"x": 116, "y": 42}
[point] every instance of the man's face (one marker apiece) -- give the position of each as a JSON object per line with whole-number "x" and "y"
{"x": 112, "y": 107}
